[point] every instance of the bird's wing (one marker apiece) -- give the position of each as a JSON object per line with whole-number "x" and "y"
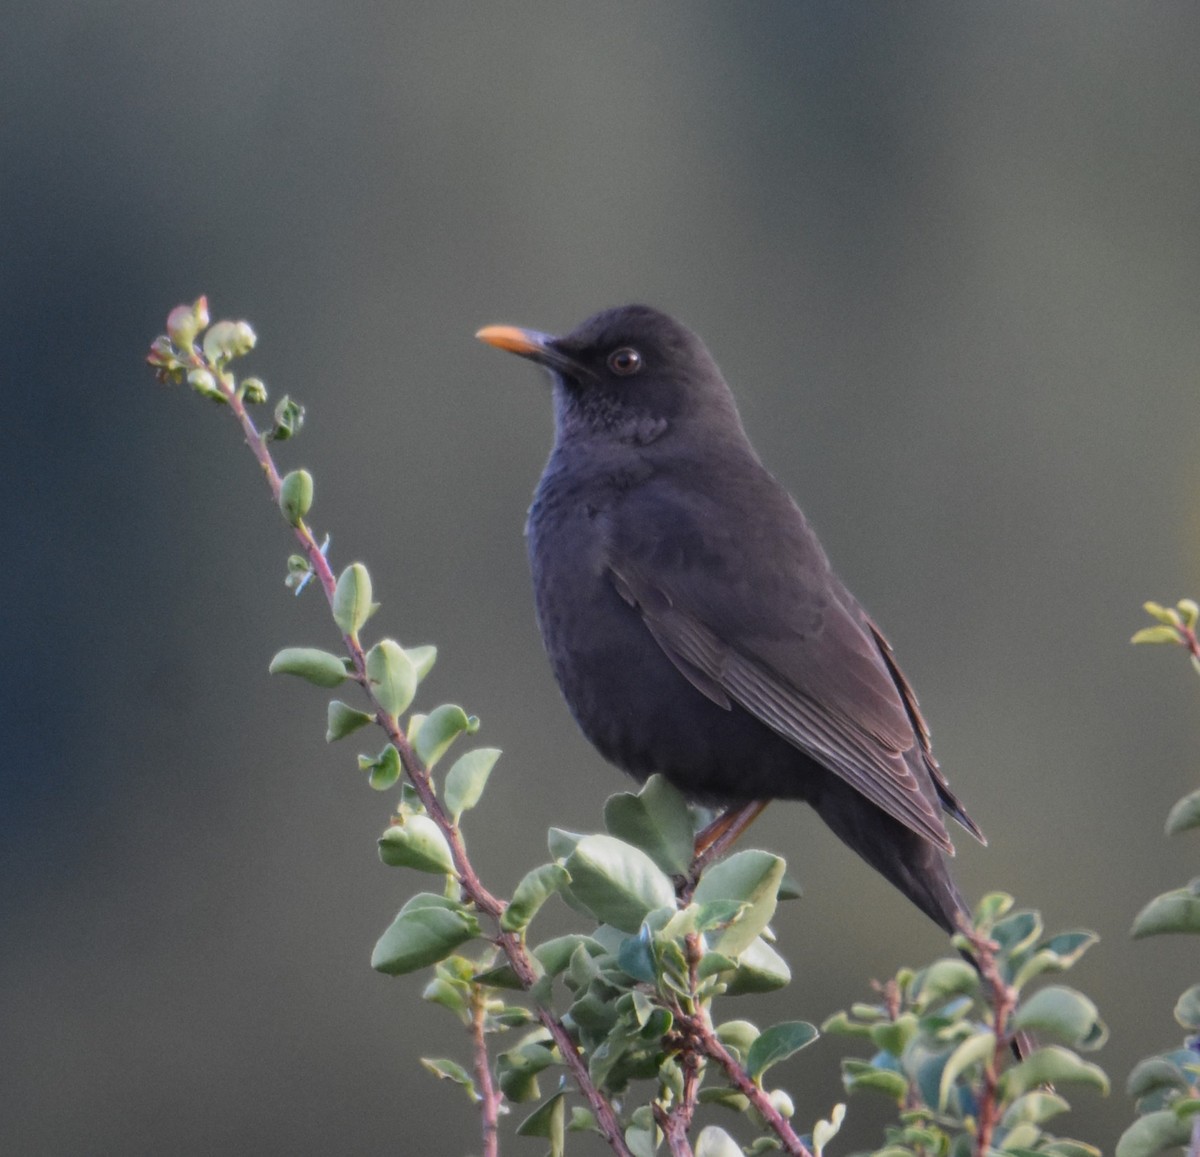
{"x": 753, "y": 614}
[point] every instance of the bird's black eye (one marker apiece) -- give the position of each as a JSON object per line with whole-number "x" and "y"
{"x": 625, "y": 361}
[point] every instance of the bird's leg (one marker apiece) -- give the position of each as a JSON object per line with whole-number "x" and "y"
{"x": 713, "y": 841}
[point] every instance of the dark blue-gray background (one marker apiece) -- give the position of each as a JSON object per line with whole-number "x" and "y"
{"x": 947, "y": 255}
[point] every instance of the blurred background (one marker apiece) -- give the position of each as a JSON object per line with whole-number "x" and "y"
{"x": 948, "y": 257}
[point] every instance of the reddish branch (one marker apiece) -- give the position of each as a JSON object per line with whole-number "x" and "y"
{"x": 1004, "y": 1000}
{"x": 509, "y": 943}
{"x": 707, "y": 1041}
{"x": 489, "y": 1095}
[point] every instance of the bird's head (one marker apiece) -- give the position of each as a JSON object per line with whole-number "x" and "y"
{"x": 630, "y": 374}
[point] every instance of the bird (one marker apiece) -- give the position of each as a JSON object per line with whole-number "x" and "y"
{"x": 692, "y": 620}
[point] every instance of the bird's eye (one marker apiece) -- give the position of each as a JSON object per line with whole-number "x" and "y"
{"x": 625, "y": 361}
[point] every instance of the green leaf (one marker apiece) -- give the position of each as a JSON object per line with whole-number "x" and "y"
{"x": 976, "y": 1049}
{"x": 440, "y": 729}
{"x": 858, "y": 1075}
{"x": 943, "y": 980}
{"x": 825, "y": 1131}
{"x": 416, "y": 843}
{"x": 385, "y": 768}
{"x": 840, "y": 1024}
{"x": 726, "y": 1098}
{"x": 658, "y": 820}
{"x": 1154, "y": 1133}
{"x": 421, "y": 935}
{"x": 562, "y": 843}
{"x": 759, "y": 969}
{"x": 991, "y": 908}
{"x": 447, "y": 1070}
{"x": 738, "y": 1036}
{"x": 466, "y": 780}
{"x": 518, "y": 1068}
{"x": 1155, "y": 635}
{"x": 892, "y": 1036}
{"x": 343, "y": 719}
{"x": 392, "y": 676}
{"x": 1059, "y": 1011}
{"x": 450, "y": 996}
{"x": 1154, "y": 1074}
{"x": 1177, "y": 911}
{"x": 548, "y": 1120}
{"x": 1036, "y": 1108}
{"x": 778, "y": 1043}
{"x": 751, "y": 877}
{"x": 554, "y": 955}
{"x": 1185, "y": 814}
{"x": 317, "y": 666}
{"x": 617, "y": 882}
{"x": 531, "y": 893}
{"x": 295, "y": 496}
{"x": 635, "y": 958}
{"x": 1187, "y": 1009}
{"x": 352, "y": 604}
{"x": 422, "y": 659}
{"x": 1064, "y": 1147}
{"x": 713, "y": 1141}
{"x": 1017, "y": 932}
{"x": 1052, "y": 1065}
{"x": 289, "y": 419}
{"x": 1054, "y": 955}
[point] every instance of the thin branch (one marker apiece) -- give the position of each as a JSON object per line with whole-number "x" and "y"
{"x": 1003, "y": 1001}
{"x": 710, "y": 1044}
{"x": 509, "y": 943}
{"x": 489, "y": 1095}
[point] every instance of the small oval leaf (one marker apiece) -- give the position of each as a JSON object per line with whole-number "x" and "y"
{"x": 974, "y": 1050}
{"x": 778, "y": 1043}
{"x": 343, "y": 719}
{"x": 295, "y": 496}
{"x": 422, "y": 658}
{"x": 1185, "y": 814}
{"x": 466, "y": 780}
{"x": 1059, "y": 1011}
{"x": 311, "y": 663}
{"x": 617, "y": 882}
{"x": 752, "y": 877}
{"x": 1154, "y": 1133}
{"x": 658, "y": 820}
{"x": 352, "y": 605}
{"x": 1177, "y": 911}
{"x": 1053, "y": 1065}
{"x": 438, "y": 730}
{"x": 1187, "y": 1009}
{"x": 392, "y": 676}
{"x": 420, "y": 936}
{"x": 713, "y": 1141}
{"x": 417, "y": 843}
{"x": 531, "y": 893}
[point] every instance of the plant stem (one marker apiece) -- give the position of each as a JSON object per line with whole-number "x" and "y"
{"x": 509, "y": 943}
{"x": 489, "y": 1096}
{"x": 1003, "y": 1002}
{"x": 709, "y": 1043}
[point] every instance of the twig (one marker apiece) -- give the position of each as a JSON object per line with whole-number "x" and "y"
{"x": 710, "y": 1044}
{"x": 489, "y": 1096}
{"x": 1004, "y": 1000}
{"x": 509, "y": 943}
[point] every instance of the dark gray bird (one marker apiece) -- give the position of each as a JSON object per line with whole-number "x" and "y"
{"x": 692, "y": 619}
